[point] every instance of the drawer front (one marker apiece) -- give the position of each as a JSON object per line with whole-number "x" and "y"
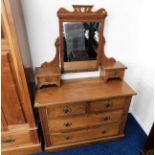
{"x": 66, "y": 110}
{"x": 48, "y": 79}
{"x": 16, "y": 139}
{"x": 115, "y": 73}
{"x": 84, "y": 121}
{"x": 109, "y": 104}
{"x": 99, "y": 132}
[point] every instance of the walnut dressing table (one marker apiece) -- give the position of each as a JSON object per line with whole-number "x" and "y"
{"x": 85, "y": 110}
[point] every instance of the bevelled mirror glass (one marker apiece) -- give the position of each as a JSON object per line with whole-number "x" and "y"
{"x": 80, "y": 41}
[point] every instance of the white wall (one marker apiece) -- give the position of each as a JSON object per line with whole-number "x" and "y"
{"x": 129, "y": 38}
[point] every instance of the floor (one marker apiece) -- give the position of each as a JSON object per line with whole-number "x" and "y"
{"x": 130, "y": 145}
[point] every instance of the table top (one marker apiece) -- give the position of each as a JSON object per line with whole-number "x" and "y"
{"x": 80, "y": 90}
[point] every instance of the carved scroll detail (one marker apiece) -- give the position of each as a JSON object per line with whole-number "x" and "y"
{"x": 81, "y": 10}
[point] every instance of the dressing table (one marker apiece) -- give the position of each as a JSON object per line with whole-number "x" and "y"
{"x": 85, "y": 110}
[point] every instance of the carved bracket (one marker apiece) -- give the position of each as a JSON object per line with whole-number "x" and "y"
{"x": 55, "y": 61}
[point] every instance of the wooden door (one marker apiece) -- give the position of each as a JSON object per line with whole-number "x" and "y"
{"x": 12, "y": 112}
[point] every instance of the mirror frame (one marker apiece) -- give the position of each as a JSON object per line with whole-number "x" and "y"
{"x": 82, "y": 13}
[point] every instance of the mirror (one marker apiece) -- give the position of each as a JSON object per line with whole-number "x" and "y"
{"x": 81, "y": 38}
{"x": 81, "y": 41}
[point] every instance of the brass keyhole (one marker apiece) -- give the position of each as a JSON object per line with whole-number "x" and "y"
{"x": 67, "y": 124}
{"x": 68, "y": 137}
{"x": 67, "y": 110}
{"x": 108, "y": 105}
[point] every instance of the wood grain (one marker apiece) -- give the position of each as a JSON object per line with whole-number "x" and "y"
{"x": 66, "y": 110}
{"x": 74, "y": 123}
{"x": 107, "y": 105}
{"x": 83, "y": 143}
{"x": 81, "y": 90}
{"x": 19, "y": 132}
{"x": 71, "y": 137}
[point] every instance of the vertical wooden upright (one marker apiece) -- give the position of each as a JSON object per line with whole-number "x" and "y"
{"x": 19, "y": 130}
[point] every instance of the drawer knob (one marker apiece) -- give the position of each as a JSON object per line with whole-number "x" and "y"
{"x": 68, "y": 137}
{"x": 107, "y": 118}
{"x": 67, "y": 124}
{"x": 8, "y": 141}
{"x": 67, "y": 110}
{"x": 109, "y": 105}
{"x": 103, "y": 131}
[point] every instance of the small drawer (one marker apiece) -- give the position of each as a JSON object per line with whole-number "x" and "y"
{"x": 114, "y": 73}
{"x": 48, "y": 79}
{"x": 88, "y": 134}
{"x": 16, "y": 139}
{"x": 67, "y": 124}
{"x": 109, "y": 104}
{"x": 66, "y": 110}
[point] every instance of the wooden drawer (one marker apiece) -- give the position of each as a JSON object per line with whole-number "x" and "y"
{"x": 84, "y": 121}
{"x": 48, "y": 79}
{"x": 99, "y": 132}
{"x": 16, "y": 139}
{"x": 66, "y": 110}
{"x": 109, "y": 104}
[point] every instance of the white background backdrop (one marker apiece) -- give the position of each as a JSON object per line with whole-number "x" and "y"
{"x": 129, "y": 35}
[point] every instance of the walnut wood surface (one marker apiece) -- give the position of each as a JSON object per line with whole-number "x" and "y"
{"x": 80, "y": 108}
{"x": 17, "y": 113}
{"x": 107, "y": 105}
{"x": 64, "y": 110}
{"x": 79, "y": 90}
{"x": 113, "y": 65}
{"x": 86, "y": 121}
{"x": 76, "y": 136}
{"x": 83, "y": 143}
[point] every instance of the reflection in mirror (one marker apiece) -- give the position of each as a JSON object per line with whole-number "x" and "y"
{"x": 80, "y": 41}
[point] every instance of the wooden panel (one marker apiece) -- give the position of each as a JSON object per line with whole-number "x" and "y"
{"x": 109, "y": 104}
{"x": 43, "y": 118}
{"x": 22, "y": 150}
{"x": 66, "y": 110}
{"x": 10, "y": 99}
{"x": 84, "y": 121}
{"x": 12, "y": 18}
{"x": 83, "y": 143}
{"x": 81, "y": 135}
{"x": 79, "y": 90}
{"x": 80, "y": 66}
{"x": 16, "y": 139}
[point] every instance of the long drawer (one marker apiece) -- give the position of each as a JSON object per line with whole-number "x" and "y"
{"x": 66, "y": 110}
{"x": 108, "y": 104}
{"x": 84, "y": 121}
{"x": 16, "y": 139}
{"x": 99, "y": 132}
